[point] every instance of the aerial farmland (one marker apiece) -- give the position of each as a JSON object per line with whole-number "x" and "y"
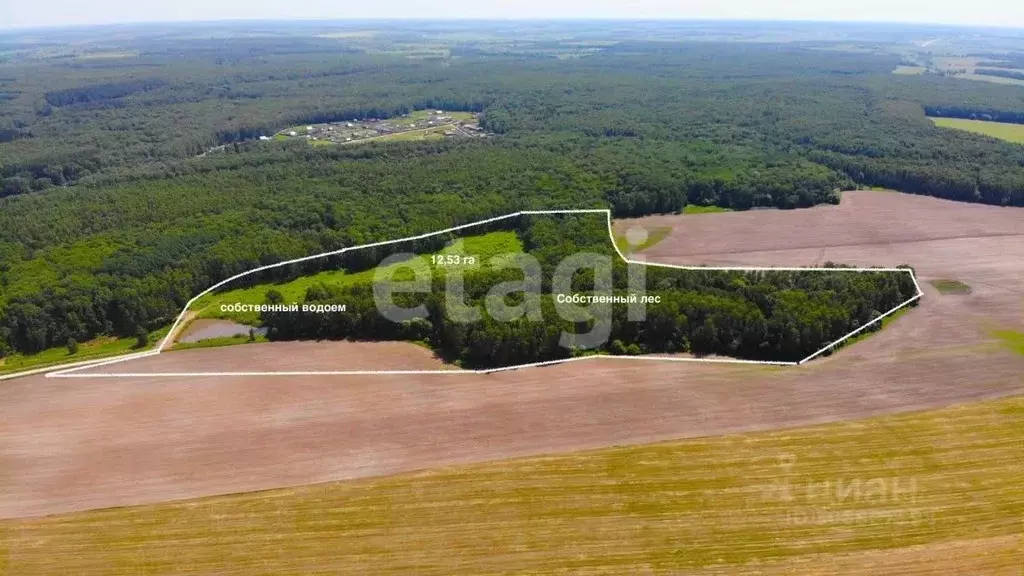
{"x": 474, "y": 297}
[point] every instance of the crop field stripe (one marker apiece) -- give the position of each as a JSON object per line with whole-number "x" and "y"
{"x": 68, "y": 371}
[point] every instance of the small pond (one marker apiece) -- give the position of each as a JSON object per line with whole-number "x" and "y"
{"x": 206, "y": 329}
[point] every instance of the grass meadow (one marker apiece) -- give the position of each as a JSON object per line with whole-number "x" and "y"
{"x": 654, "y": 235}
{"x": 483, "y": 247}
{"x": 1011, "y": 339}
{"x": 1001, "y": 130}
{"x": 950, "y": 286}
{"x": 695, "y": 209}
{"x": 92, "y": 350}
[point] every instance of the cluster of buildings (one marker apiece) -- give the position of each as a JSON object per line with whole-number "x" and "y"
{"x": 350, "y": 131}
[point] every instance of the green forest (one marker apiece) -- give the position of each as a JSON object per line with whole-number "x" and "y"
{"x": 776, "y": 316}
{"x": 132, "y": 175}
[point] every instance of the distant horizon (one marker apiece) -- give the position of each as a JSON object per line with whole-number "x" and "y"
{"x": 435, "y": 19}
{"x": 65, "y": 14}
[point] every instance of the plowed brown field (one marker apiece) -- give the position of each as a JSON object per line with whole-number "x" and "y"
{"x": 72, "y": 444}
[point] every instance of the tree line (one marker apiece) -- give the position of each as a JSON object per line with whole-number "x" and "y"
{"x": 1014, "y": 74}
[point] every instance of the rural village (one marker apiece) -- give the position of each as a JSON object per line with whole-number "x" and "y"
{"x": 419, "y": 125}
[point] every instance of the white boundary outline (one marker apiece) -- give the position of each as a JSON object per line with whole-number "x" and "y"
{"x": 71, "y": 371}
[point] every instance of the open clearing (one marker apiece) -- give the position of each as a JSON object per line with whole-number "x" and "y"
{"x": 930, "y": 492}
{"x": 910, "y": 70}
{"x": 417, "y": 125}
{"x": 1001, "y": 130}
{"x": 80, "y": 444}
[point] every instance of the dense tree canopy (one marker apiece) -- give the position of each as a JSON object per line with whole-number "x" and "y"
{"x": 110, "y": 218}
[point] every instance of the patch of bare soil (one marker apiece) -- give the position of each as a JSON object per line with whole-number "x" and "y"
{"x": 862, "y": 219}
{"x": 73, "y": 444}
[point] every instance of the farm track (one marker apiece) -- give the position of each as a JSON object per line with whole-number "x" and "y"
{"x": 70, "y": 445}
